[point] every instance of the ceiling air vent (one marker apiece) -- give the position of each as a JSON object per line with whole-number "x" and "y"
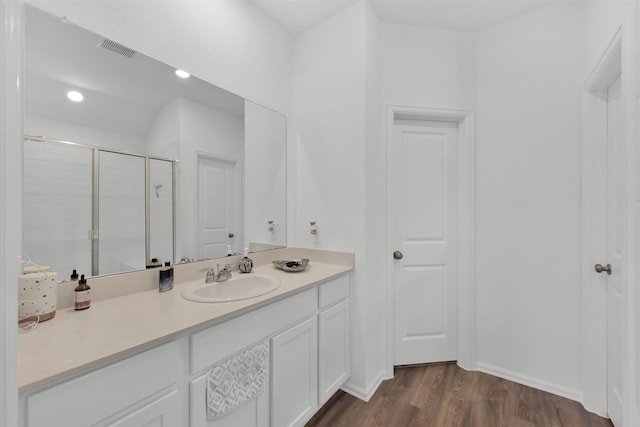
{"x": 117, "y": 48}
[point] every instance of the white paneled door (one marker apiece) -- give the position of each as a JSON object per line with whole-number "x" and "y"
{"x": 219, "y": 206}
{"x": 616, "y": 242}
{"x": 423, "y": 169}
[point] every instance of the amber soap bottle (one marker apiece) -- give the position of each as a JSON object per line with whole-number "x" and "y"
{"x": 83, "y": 296}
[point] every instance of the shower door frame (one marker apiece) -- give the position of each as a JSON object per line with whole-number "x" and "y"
{"x": 95, "y": 197}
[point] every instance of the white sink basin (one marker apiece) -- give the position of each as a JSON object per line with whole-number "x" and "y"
{"x": 239, "y": 287}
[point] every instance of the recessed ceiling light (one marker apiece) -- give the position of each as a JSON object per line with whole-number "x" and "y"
{"x": 75, "y": 96}
{"x": 182, "y": 74}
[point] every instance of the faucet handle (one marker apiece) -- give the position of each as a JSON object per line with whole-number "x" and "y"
{"x": 211, "y": 274}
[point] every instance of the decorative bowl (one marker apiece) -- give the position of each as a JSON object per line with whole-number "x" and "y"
{"x": 292, "y": 265}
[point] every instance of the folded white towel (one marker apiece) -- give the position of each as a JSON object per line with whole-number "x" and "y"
{"x": 237, "y": 379}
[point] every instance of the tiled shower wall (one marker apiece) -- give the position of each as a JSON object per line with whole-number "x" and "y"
{"x": 57, "y": 206}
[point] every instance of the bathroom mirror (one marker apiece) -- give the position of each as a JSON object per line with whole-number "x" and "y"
{"x": 147, "y": 165}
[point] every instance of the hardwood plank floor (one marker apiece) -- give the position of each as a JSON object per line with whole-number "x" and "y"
{"x": 445, "y": 395}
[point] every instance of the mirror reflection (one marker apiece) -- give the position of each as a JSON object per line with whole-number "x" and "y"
{"x": 148, "y": 164}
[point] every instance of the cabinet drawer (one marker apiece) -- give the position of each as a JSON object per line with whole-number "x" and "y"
{"x": 91, "y": 398}
{"x": 217, "y": 342}
{"x": 334, "y": 290}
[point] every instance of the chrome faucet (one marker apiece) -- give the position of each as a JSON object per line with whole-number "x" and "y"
{"x": 220, "y": 276}
{"x": 224, "y": 274}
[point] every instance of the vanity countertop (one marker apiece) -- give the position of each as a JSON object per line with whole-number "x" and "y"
{"x": 75, "y": 341}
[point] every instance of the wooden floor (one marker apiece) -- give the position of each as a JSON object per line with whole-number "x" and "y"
{"x": 444, "y": 395}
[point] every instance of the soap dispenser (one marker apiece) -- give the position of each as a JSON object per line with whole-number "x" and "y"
{"x": 165, "y": 277}
{"x": 246, "y": 264}
{"x": 83, "y": 296}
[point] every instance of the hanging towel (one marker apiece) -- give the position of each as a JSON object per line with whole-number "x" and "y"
{"x": 237, "y": 379}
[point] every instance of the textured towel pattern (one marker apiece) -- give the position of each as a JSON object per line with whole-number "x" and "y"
{"x": 237, "y": 379}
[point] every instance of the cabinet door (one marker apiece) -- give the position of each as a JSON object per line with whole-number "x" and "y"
{"x": 334, "y": 356}
{"x": 162, "y": 412}
{"x": 254, "y": 413}
{"x": 294, "y": 380}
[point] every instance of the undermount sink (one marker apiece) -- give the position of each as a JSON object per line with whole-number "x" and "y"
{"x": 237, "y": 288}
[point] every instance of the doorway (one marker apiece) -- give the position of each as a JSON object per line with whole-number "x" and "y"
{"x": 606, "y": 237}
{"x": 219, "y": 206}
{"x": 424, "y": 172}
{"x": 615, "y": 245}
{"x": 429, "y": 236}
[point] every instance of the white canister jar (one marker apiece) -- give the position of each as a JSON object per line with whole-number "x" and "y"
{"x": 37, "y": 296}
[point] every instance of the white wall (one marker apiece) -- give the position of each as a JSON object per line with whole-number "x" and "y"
{"x": 163, "y": 139}
{"x": 38, "y": 126}
{"x": 375, "y": 157}
{"x": 329, "y": 123}
{"x": 265, "y": 176}
{"x": 427, "y": 67}
{"x": 527, "y": 202}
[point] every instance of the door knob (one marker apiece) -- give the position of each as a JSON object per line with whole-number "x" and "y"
{"x": 231, "y": 235}
{"x": 599, "y": 268}
{"x": 397, "y": 255}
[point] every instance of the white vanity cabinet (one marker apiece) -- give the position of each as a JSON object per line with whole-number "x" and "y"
{"x": 307, "y": 334}
{"x": 219, "y": 342}
{"x": 141, "y": 390}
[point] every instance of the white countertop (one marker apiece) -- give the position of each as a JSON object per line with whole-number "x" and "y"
{"x": 75, "y": 341}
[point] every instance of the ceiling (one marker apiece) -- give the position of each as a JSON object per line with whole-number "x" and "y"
{"x": 463, "y": 15}
{"x": 122, "y": 95}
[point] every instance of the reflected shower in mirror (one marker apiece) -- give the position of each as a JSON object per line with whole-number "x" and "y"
{"x": 113, "y": 211}
{"x": 69, "y": 188}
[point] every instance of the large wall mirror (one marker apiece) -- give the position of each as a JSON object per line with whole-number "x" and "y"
{"x": 148, "y": 164}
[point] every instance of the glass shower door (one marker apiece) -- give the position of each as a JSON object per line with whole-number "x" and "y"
{"x": 121, "y": 213}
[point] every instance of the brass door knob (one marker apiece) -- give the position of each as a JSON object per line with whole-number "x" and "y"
{"x": 397, "y": 255}
{"x": 599, "y": 268}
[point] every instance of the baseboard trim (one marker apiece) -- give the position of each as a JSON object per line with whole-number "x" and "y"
{"x": 362, "y": 393}
{"x": 529, "y": 381}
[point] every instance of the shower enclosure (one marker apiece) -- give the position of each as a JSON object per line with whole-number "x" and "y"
{"x": 96, "y": 210}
